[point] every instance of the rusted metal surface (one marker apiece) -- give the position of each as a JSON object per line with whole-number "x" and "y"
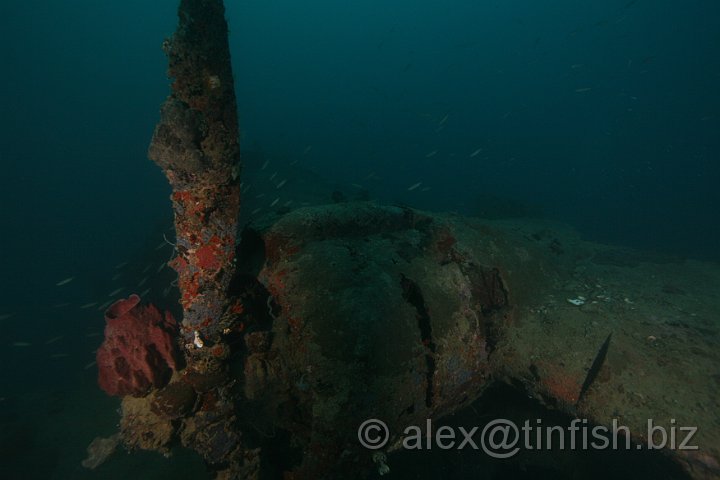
{"x": 378, "y": 312}
{"x": 196, "y": 145}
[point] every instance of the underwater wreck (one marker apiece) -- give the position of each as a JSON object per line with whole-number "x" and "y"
{"x": 312, "y": 322}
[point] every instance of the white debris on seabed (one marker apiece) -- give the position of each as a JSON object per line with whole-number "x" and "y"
{"x": 580, "y": 300}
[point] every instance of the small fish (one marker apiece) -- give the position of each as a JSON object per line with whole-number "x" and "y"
{"x": 54, "y": 339}
{"x": 21, "y": 344}
{"x": 257, "y": 210}
{"x": 281, "y": 184}
{"x": 583, "y": 90}
{"x": 274, "y": 202}
{"x": 115, "y": 277}
{"x": 144, "y": 293}
{"x": 356, "y": 185}
{"x": 307, "y": 149}
{"x": 288, "y": 203}
{"x": 145, "y": 270}
{"x": 142, "y": 282}
{"x": 575, "y": 66}
{"x": 88, "y": 305}
{"x": 160, "y": 245}
{"x": 444, "y": 119}
{"x": 272, "y": 177}
{"x": 431, "y": 154}
{"x": 5, "y": 316}
{"x": 260, "y": 195}
{"x": 116, "y": 291}
{"x": 425, "y": 189}
{"x": 264, "y": 165}
{"x": 161, "y": 267}
{"x": 64, "y": 282}
{"x": 414, "y": 186}
{"x": 89, "y": 365}
{"x": 473, "y": 154}
{"x": 121, "y": 264}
